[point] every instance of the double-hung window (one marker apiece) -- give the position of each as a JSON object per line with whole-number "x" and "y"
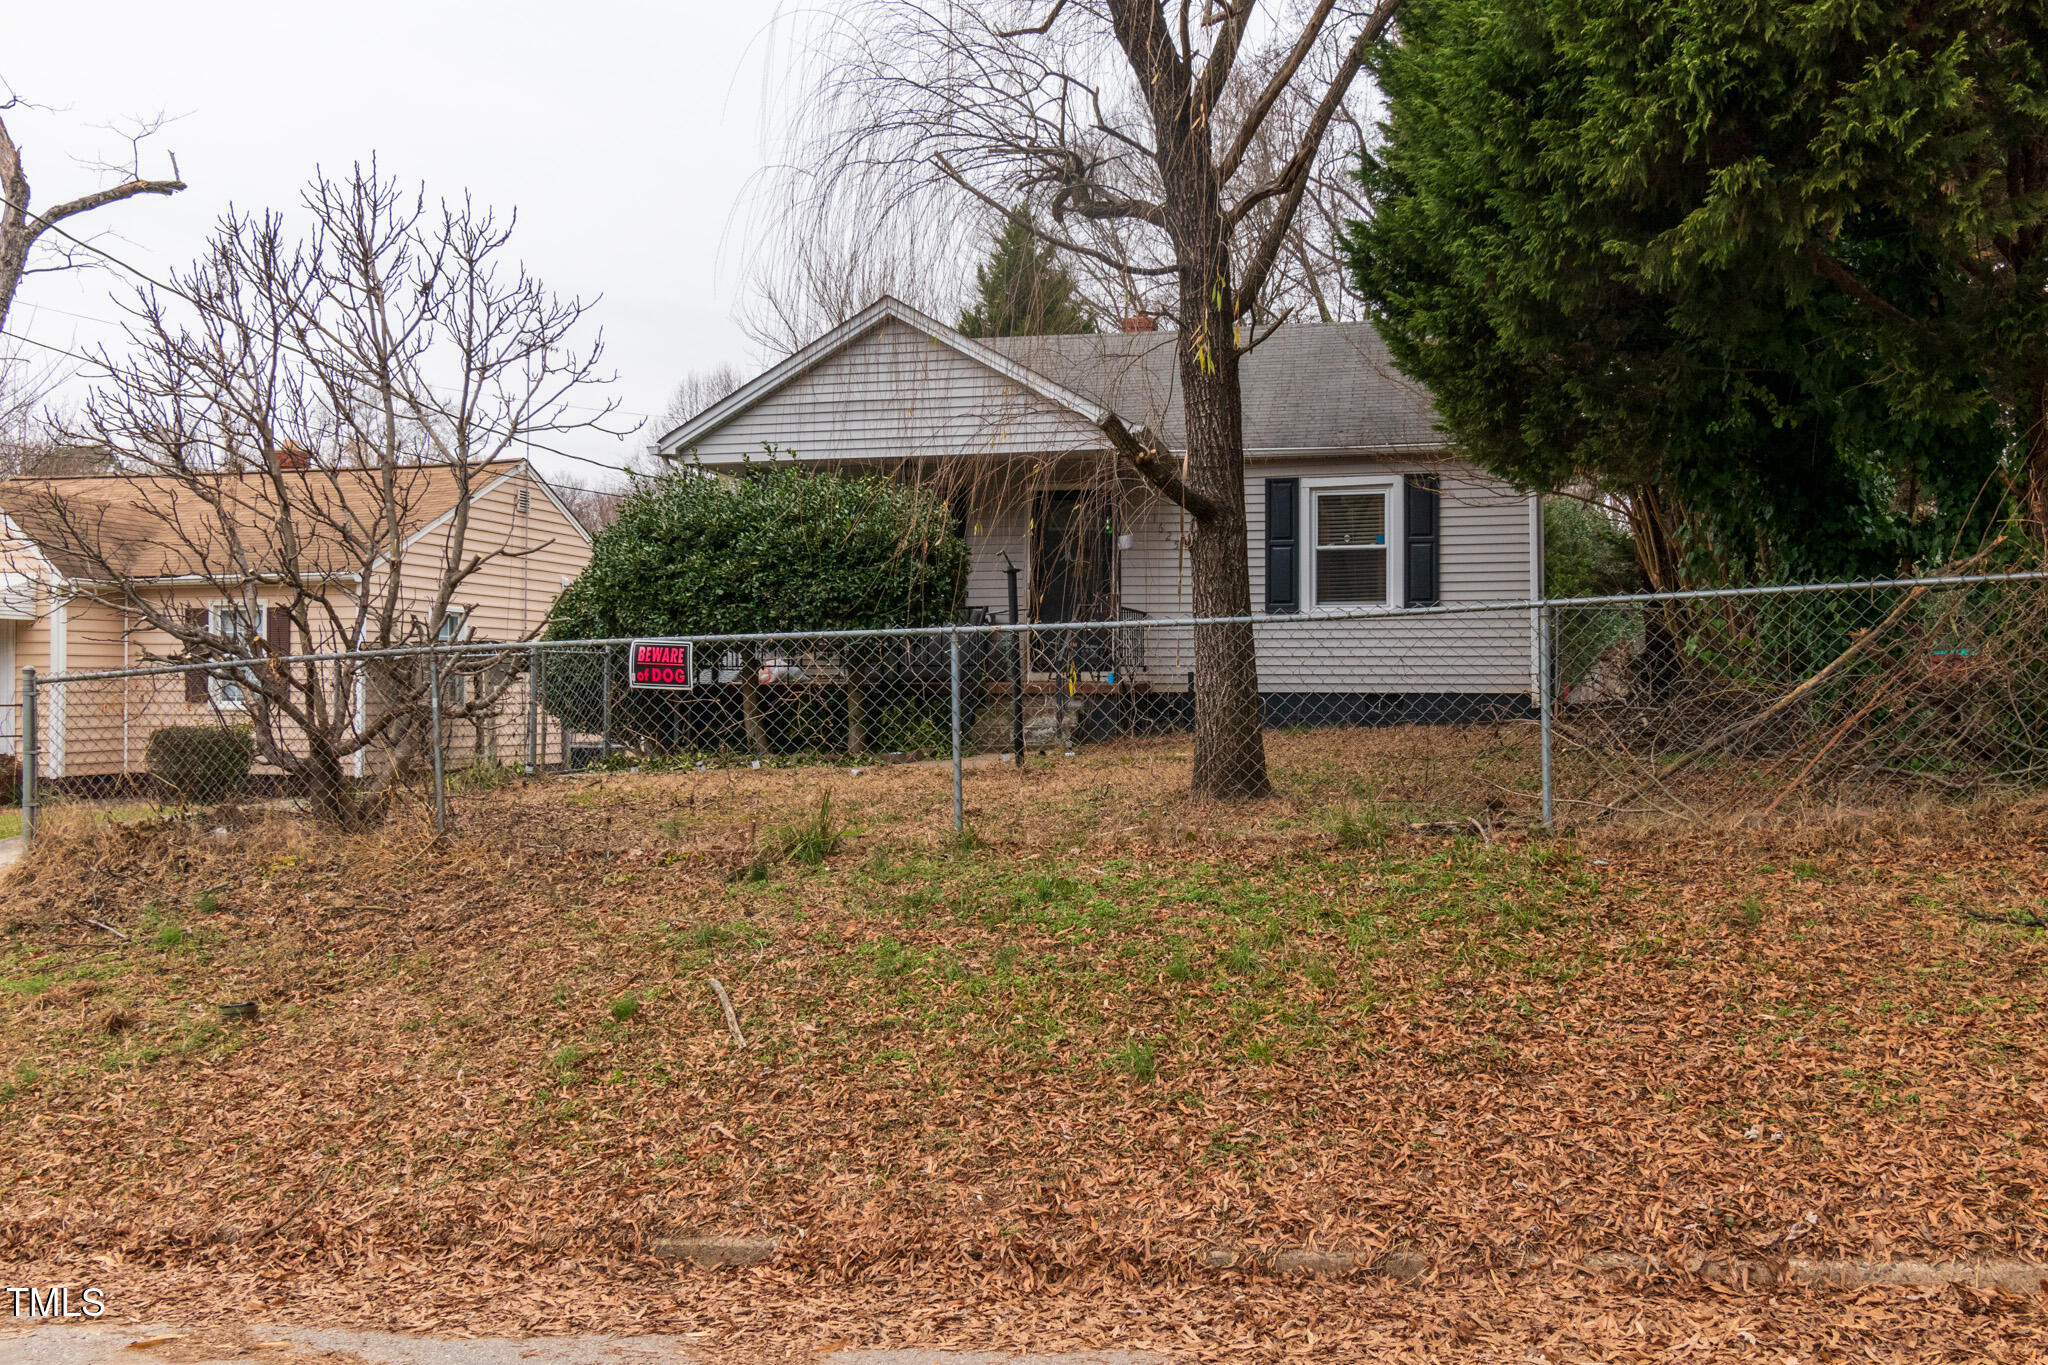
{"x": 230, "y": 623}
{"x": 1353, "y": 528}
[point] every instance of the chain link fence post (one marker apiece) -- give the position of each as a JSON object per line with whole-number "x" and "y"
{"x": 959, "y": 804}
{"x": 605, "y": 707}
{"x": 1016, "y": 641}
{"x": 29, "y": 740}
{"x": 1546, "y": 666}
{"x": 532, "y": 709}
{"x": 439, "y": 762}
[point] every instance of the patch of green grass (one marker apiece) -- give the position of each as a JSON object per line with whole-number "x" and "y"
{"x": 1137, "y": 1060}
{"x": 1353, "y": 831}
{"x": 625, "y": 1008}
{"x": 1320, "y": 974}
{"x": 564, "y": 1060}
{"x": 28, "y": 985}
{"x": 483, "y": 775}
{"x": 813, "y": 839}
{"x": 1241, "y": 959}
{"x": 718, "y": 934}
{"x": 206, "y": 903}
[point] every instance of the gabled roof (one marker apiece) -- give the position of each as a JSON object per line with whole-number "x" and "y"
{"x": 162, "y": 527}
{"x": 1306, "y": 387}
{"x": 882, "y": 310}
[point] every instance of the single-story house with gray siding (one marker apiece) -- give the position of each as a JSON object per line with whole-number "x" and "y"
{"x": 1354, "y": 502}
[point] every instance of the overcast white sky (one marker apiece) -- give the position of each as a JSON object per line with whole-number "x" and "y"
{"x": 625, "y": 132}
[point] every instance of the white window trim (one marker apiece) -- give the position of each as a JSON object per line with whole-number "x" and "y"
{"x": 1397, "y": 536}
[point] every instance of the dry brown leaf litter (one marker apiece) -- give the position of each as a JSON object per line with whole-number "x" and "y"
{"x": 1619, "y": 1056}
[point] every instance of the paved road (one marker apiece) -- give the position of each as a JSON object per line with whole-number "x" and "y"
{"x": 92, "y": 1344}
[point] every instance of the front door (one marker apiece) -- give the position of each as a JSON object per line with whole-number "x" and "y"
{"x": 1073, "y": 575}
{"x": 1073, "y": 556}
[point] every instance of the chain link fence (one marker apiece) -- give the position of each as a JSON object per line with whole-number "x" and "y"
{"x": 1739, "y": 701}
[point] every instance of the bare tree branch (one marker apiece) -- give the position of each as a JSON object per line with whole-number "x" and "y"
{"x": 21, "y": 225}
{"x": 1143, "y": 453}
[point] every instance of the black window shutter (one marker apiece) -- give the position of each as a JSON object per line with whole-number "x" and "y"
{"x": 1421, "y": 525}
{"x": 1283, "y": 545}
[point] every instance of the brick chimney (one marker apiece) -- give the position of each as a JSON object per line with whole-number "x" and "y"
{"x": 1141, "y": 322}
{"x": 293, "y": 456}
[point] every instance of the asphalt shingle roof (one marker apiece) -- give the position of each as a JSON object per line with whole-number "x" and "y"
{"x": 143, "y": 526}
{"x": 1310, "y": 386}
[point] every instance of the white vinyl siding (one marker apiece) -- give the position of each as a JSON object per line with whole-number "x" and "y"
{"x": 1484, "y": 556}
{"x": 893, "y": 394}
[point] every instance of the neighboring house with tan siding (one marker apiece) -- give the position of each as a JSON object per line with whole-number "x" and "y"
{"x": 1354, "y": 500}
{"x": 188, "y": 546}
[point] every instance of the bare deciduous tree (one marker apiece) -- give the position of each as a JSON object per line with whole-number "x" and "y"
{"x": 294, "y": 411}
{"x": 23, "y": 227}
{"x": 696, "y": 391}
{"x": 596, "y": 505}
{"x": 1117, "y": 123}
{"x": 814, "y": 268}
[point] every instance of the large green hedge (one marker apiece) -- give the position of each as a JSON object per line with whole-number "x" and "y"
{"x": 777, "y": 548}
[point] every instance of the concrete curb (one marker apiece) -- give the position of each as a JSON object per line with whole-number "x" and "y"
{"x": 1404, "y": 1266}
{"x": 1409, "y": 1267}
{"x": 715, "y": 1251}
{"x": 2014, "y": 1277}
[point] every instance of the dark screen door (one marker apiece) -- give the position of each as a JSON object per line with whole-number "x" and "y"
{"x": 1073, "y": 549}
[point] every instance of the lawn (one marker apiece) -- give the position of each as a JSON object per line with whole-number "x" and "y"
{"x": 10, "y": 816}
{"x": 1027, "y": 1071}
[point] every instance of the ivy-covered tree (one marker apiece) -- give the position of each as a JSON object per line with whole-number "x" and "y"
{"x": 1022, "y": 289}
{"x": 1615, "y": 243}
{"x": 780, "y": 549}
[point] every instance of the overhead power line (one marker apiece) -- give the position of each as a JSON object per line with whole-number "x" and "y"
{"x": 204, "y": 307}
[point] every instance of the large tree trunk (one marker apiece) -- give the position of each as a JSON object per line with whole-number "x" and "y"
{"x": 1230, "y": 749}
{"x": 327, "y": 790}
{"x": 1652, "y": 519}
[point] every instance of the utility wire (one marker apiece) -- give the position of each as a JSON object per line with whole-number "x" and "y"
{"x": 203, "y": 307}
{"x": 17, "y": 336}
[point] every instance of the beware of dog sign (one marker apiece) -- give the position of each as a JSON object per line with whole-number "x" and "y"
{"x": 663, "y": 664}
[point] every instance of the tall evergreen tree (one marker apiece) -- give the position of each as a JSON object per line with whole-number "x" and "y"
{"x": 1022, "y": 288}
{"x": 1613, "y": 244}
